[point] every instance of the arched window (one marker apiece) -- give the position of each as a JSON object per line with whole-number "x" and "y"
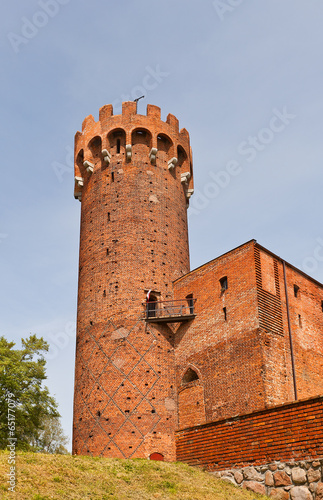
{"x": 156, "y": 456}
{"x": 190, "y": 376}
{"x": 95, "y": 147}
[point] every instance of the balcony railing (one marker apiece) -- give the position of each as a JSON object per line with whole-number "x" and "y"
{"x": 170, "y": 310}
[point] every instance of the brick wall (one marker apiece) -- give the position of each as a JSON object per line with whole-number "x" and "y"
{"x": 133, "y": 238}
{"x": 291, "y": 431}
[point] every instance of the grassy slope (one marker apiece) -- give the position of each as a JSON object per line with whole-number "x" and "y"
{"x": 44, "y": 477}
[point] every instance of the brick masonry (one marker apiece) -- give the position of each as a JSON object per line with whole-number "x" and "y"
{"x": 133, "y": 238}
{"x": 290, "y": 432}
{"x": 137, "y": 382}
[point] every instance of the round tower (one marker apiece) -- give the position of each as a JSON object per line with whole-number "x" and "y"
{"x": 133, "y": 176}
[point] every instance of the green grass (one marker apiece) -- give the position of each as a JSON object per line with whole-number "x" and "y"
{"x": 64, "y": 477}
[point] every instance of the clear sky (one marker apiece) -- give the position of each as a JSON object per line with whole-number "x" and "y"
{"x": 243, "y": 76}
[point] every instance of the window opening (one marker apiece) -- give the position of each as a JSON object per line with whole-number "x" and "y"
{"x": 224, "y": 283}
{"x": 190, "y": 302}
{"x": 108, "y": 216}
{"x": 225, "y": 313}
{"x": 300, "y": 321}
{"x": 151, "y": 305}
{"x": 118, "y": 145}
{"x": 112, "y": 176}
{"x": 189, "y": 376}
{"x": 296, "y": 289}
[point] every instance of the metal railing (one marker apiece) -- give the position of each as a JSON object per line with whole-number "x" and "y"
{"x": 168, "y": 309}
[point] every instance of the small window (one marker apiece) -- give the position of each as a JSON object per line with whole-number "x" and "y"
{"x": 300, "y": 321}
{"x": 190, "y": 303}
{"x": 112, "y": 176}
{"x": 189, "y": 376}
{"x": 108, "y": 216}
{"x": 224, "y": 283}
{"x": 225, "y": 313}
{"x": 118, "y": 145}
{"x": 296, "y": 290}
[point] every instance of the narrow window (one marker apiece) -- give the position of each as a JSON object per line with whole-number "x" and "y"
{"x": 190, "y": 303}
{"x": 224, "y": 283}
{"x": 107, "y": 251}
{"x": 112, "y": 176}
{"x": 296, "y": 289}
{"x": 108, "y": 216}
{"x": 300, "y": 321}
{"x": 118, "y": 145}
{"x": 225, "y": 313}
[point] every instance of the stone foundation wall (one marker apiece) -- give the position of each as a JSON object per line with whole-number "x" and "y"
{"x": 295, "y": 480}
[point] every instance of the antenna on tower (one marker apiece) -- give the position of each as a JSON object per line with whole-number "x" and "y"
{"x": 136, "y": 101}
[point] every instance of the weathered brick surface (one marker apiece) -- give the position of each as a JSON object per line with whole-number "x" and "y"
{"x": 293, "y": 431}
{"x": 137, "y": 382}
{"x": 239, "y": 342}
{"x": 133, "y": 238}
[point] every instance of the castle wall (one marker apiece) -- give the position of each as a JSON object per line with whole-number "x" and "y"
{"x": 293, "y": 431}
{"x": 225, "y": 351}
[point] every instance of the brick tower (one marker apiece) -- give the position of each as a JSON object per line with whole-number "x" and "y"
{"x": 133, "y": 176}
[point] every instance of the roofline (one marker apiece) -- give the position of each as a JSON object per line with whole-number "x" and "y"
{"x": 260, "y": 248}
{"x": 290, "y": 265}
{"x": 216, "y": 258}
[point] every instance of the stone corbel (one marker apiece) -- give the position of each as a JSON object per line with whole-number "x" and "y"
{"x": 152, "y": 155}
{"x": 185, "y": 177}
{"x": 129, "y": 151}
{"x": 89, "y": 166}
{"x": 172, "y": 163}
{"x": 106, "y": 156}
{"x": 79, "y": 181}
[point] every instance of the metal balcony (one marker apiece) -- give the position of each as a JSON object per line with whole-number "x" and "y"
{"x": 171, "y": 311}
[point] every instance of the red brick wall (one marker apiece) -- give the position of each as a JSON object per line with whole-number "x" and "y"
{"x": 133, "y": 238}
{"x": 244, "y": 362}
{"x": 226, "y": 353}
{"x": 292, "y": 431}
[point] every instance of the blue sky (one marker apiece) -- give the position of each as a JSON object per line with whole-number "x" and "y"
{"x": 243, "y": 76}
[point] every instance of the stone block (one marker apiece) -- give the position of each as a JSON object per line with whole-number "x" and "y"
{"x": 319, "y": 491}
{"x": 254, "y": 486}
{"x": 313, "y": 475}
{"x": 281, "y": 479}
{"x": 269, "y": 478}
{"x": 300, "y": 493}
{"x": 298, "y": 475}
{"x": 250, "y": 474}
{"x": 279, "y": 494}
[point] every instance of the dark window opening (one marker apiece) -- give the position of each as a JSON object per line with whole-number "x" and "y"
{"x": 296, "y": 289}
{"x": 98, "y": 413}
{"x": 112, "y": 176}
{"x": 189, "y": 376}
{"x": 225, "y": 313}
{"x": 118, "y": 145}
{"x": 300, "y": 321}
{"x": 190, "y": 302}
{"x": 224, "y": 283}
{"x": 108, "y": 216}
{"x": 107, "y": 251}
{"x": 151, "y": 306}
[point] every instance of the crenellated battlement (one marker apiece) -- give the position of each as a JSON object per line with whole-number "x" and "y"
{"x": 120, "y": 137}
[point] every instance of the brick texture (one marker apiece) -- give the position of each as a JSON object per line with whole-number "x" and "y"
{"x": 133, "y": 238}
{"x": 293, "y": 431}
